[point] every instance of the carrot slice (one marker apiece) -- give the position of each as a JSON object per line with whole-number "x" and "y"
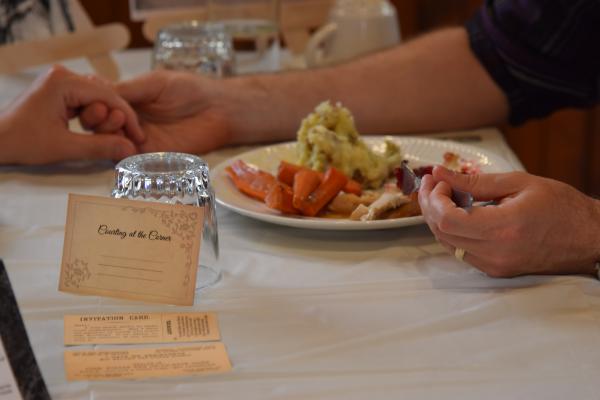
{"x": 246, "y": 171}
{"x": 280, "y": 197}
{"x": 305, "y": 182}
{"x": 249, "y": 180}
{"x": 286, "y": 172}
{"x": 353, "y": 187}
{"x": 333, "y": 181}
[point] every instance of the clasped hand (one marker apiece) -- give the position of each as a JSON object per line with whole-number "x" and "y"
{"x": 34, "y": 129}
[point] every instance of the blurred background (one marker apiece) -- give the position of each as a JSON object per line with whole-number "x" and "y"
{"x": 565, "y": 146}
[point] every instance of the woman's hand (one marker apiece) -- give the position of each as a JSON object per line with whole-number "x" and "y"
{"x": 539, "y": 225}
{"x": 34, "y": 129}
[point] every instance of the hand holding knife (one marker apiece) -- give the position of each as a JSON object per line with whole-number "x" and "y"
{"x": 411, "y": 183}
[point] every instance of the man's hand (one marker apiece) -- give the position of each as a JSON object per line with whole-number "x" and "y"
{"x": 539, "y": 225}
{"x": 177, "y": 111}
{"x": 34, "y": 129}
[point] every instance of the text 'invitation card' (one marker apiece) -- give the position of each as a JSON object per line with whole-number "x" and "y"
{"x": 141, "y": 328}
{"x": 130, "y": 249}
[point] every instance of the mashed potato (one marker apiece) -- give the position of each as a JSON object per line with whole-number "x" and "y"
{"x": 328, "y": 137}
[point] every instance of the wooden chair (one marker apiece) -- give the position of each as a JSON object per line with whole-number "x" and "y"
{"x": 298, "y": 18}
{"x": 93, "y": 43}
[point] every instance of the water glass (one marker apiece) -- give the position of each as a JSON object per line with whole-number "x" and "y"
{"x": 254, "y": 28}
{"x": 194, "y": 46}
{"x": 175, "y": 178}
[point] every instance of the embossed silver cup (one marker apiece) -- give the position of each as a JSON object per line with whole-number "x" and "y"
{"x": 175, "y": 178}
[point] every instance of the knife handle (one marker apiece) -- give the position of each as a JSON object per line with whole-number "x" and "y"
{"x": 462, "y": 199}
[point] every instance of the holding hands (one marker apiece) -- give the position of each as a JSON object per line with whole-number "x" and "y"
{"x": 35, "y": 128}
{"x": 539, "y": 225}
{"x": 159, "y": 111}
{"x": 177, "y": 111}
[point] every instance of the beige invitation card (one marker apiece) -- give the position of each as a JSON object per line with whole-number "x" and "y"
{"x": 129, "y": 249}
{"x": 90, "y": 365}
{"x": 140, "y": 328}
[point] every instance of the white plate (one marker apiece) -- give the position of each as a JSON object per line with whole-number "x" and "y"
{"x": 420, "y": 151}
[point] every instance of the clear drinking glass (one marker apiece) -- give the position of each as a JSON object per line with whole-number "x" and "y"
{"x": 175, "y": 178}
{"x": 254, "y": 28}
{"x": 194, "y": 46}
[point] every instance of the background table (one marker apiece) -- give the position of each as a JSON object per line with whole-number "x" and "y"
{"x": 318, "y": 314}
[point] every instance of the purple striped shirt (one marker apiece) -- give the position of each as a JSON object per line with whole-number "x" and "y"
{"x": 544, "y": 54}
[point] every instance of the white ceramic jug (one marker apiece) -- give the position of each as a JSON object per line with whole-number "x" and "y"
{"x": 355, "y": 27}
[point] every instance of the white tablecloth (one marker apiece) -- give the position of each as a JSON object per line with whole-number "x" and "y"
{"x": 318, "y": 314}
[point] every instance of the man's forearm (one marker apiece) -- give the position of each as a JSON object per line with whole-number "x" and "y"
{"x": 431, "y": 83}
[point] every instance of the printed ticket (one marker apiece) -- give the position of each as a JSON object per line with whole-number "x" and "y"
{"x": 91, "y": 365}
{"x": 140, "y": 328}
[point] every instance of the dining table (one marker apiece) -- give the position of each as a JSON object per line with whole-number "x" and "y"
{"x": 314, "y": 313}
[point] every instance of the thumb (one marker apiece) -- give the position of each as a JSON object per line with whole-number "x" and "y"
{"x": 97, "y": 147}
{"x": 143, "y": 89}
{"x": 482, "y": 186}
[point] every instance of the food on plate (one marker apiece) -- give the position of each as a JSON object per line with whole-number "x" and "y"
{"x": 387, "y": 201}
{"x": 311, "y": 193}
{"x": 297, "y": 190}
{"x": 452, "y": 161}
{"x": 328, "y": 138}
{"x": 286, "y": 172}
{"x": 280, "y": 197}
{"x": 305, "y": 182}
{"x": 333, "y": 182}
{"x": 339, "y": 176}
{"x": 307, "y": 195}
{"x": 455, "y": 162}
{"x": 345, "y": 203}
{"x": 249, "y": 180}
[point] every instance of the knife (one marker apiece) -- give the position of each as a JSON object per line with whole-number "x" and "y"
{"x": 411, "y": 184}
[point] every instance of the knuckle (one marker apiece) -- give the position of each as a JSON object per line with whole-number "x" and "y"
{"x": 445, "y": 224}
{"x": 57, "y": 70}
{"x": 96, "y": 80}
{"x": 509, "y": 233}
{"x": 56, "y": 74}
{"x": 472, "y": 179}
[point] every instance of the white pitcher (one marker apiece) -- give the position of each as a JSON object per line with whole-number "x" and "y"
{"x": 355, "y": 27}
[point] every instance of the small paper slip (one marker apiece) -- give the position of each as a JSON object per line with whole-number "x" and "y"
{"x": 94, "y": 365}
{"x": 129, "y": 249}
{"x": 8, "y": 385}
{"x": 140, "y": 328}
